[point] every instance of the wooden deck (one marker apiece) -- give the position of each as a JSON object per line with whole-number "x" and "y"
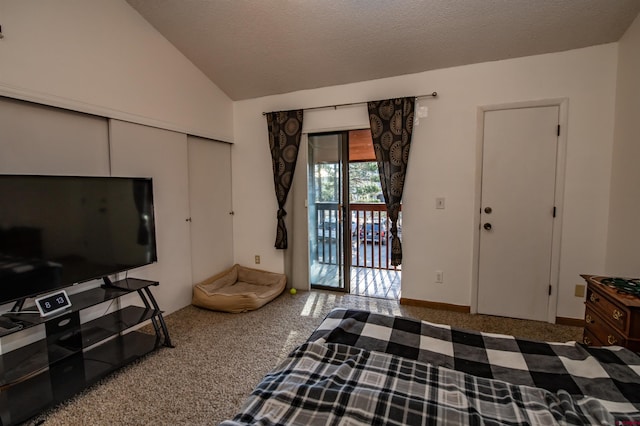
{"x": 380, "y": 283}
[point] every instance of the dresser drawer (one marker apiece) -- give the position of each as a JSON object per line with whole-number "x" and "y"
{"x": 590, "y": 340}
{"x": 612, "y": 317}
{"x": 602, "y": 331}
{"x": 616, "y": 315}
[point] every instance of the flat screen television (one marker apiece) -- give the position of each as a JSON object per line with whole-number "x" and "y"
{"x": 56, "y": 231}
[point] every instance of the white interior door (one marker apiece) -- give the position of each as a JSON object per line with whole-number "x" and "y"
{"x": 517, "y": 211}
{"x": 210, "y": 205}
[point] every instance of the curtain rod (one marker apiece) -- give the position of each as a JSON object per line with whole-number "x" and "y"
{"x": 433, "y": 95}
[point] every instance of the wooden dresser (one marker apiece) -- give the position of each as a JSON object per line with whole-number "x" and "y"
{"x": 611, "y": 317}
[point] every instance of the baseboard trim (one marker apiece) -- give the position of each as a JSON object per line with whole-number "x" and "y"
{"x": 574, "y": 322}
{"x": 435, "y": 305}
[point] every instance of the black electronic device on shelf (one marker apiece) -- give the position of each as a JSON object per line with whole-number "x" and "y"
{"x": 56, "y": 231}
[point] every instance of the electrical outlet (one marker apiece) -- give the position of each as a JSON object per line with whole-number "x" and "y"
{"x": 439, "y": 276}
{"x": 257, "y": 259}
{"x": 579, "y": 290}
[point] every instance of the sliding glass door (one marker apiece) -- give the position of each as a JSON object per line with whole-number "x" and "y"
{"x": 329, "y": 238}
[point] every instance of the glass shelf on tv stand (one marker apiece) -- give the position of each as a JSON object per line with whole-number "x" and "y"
{"x": 74, "y": 355}
{"x": 82, "y": 300}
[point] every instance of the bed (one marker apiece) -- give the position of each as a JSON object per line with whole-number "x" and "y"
{"x": 364, "y": 368}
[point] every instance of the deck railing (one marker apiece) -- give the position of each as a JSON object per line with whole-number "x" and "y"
{"x": 369, "y": 234}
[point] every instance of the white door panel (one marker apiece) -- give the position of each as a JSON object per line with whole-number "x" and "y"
{"x": 37, "y": 139}
{"x": 142, "y": 151}
{"x": 210, "y": 201}
{"x": 518, "y": 185}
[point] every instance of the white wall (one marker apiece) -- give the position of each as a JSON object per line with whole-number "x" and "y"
{"x": 623, "y": 256}
{"x": 443, "y": 164}
{"x": 102, "y": 57}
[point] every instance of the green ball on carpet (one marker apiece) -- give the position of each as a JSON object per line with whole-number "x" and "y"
{"x": 293, "y": 291}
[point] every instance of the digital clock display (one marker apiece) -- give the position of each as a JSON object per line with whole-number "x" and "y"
{"x": 52, "y": 303}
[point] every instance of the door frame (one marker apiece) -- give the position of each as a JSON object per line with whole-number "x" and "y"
{"x": 563, "y": 104}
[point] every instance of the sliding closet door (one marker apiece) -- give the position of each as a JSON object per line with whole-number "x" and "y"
{"x": 143, "y": 151}
{"x": 210, "y": 206}
{"x": 36, "y": 139}
{"x": 41, "y": 140}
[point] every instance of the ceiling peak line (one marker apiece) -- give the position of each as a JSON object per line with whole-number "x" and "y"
{"x": 430, "y": 95}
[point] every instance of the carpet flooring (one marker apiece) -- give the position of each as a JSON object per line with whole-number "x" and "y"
{"x": 219, "y": 358}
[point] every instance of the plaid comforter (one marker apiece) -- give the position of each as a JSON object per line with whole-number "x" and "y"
{"x": 610, "y": 374}
{"x": 364, "y": 368}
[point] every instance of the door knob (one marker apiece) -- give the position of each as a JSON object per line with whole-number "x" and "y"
{"x": 487, "y": 226}
{"x": 488, "y": 210}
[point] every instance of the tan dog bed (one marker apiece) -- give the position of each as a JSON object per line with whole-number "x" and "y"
{"x": 238, "y": 289}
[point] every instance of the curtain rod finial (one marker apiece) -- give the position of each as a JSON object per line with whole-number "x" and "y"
{"x": 434, "y": 94}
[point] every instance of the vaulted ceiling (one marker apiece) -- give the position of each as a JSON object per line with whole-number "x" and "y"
{"x": 254, "y": 48}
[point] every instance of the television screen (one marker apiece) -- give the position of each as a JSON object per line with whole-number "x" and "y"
{"x": 56, "y": 231}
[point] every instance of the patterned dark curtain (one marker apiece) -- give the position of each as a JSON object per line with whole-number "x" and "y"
{"x": 285, "y": 129}
{"x": 391, "y": 128}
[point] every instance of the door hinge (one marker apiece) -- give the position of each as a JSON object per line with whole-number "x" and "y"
{"x": 554, "y": 211}
{"x": 558, "y": 130}
{"x": 549, "y": 290}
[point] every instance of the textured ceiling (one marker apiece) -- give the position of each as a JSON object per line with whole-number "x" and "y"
{"x": 254, "y": 48}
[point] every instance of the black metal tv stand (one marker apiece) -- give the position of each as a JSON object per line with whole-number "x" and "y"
{"x": 134, "y": 284}
{"x": 72, "y": 355}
